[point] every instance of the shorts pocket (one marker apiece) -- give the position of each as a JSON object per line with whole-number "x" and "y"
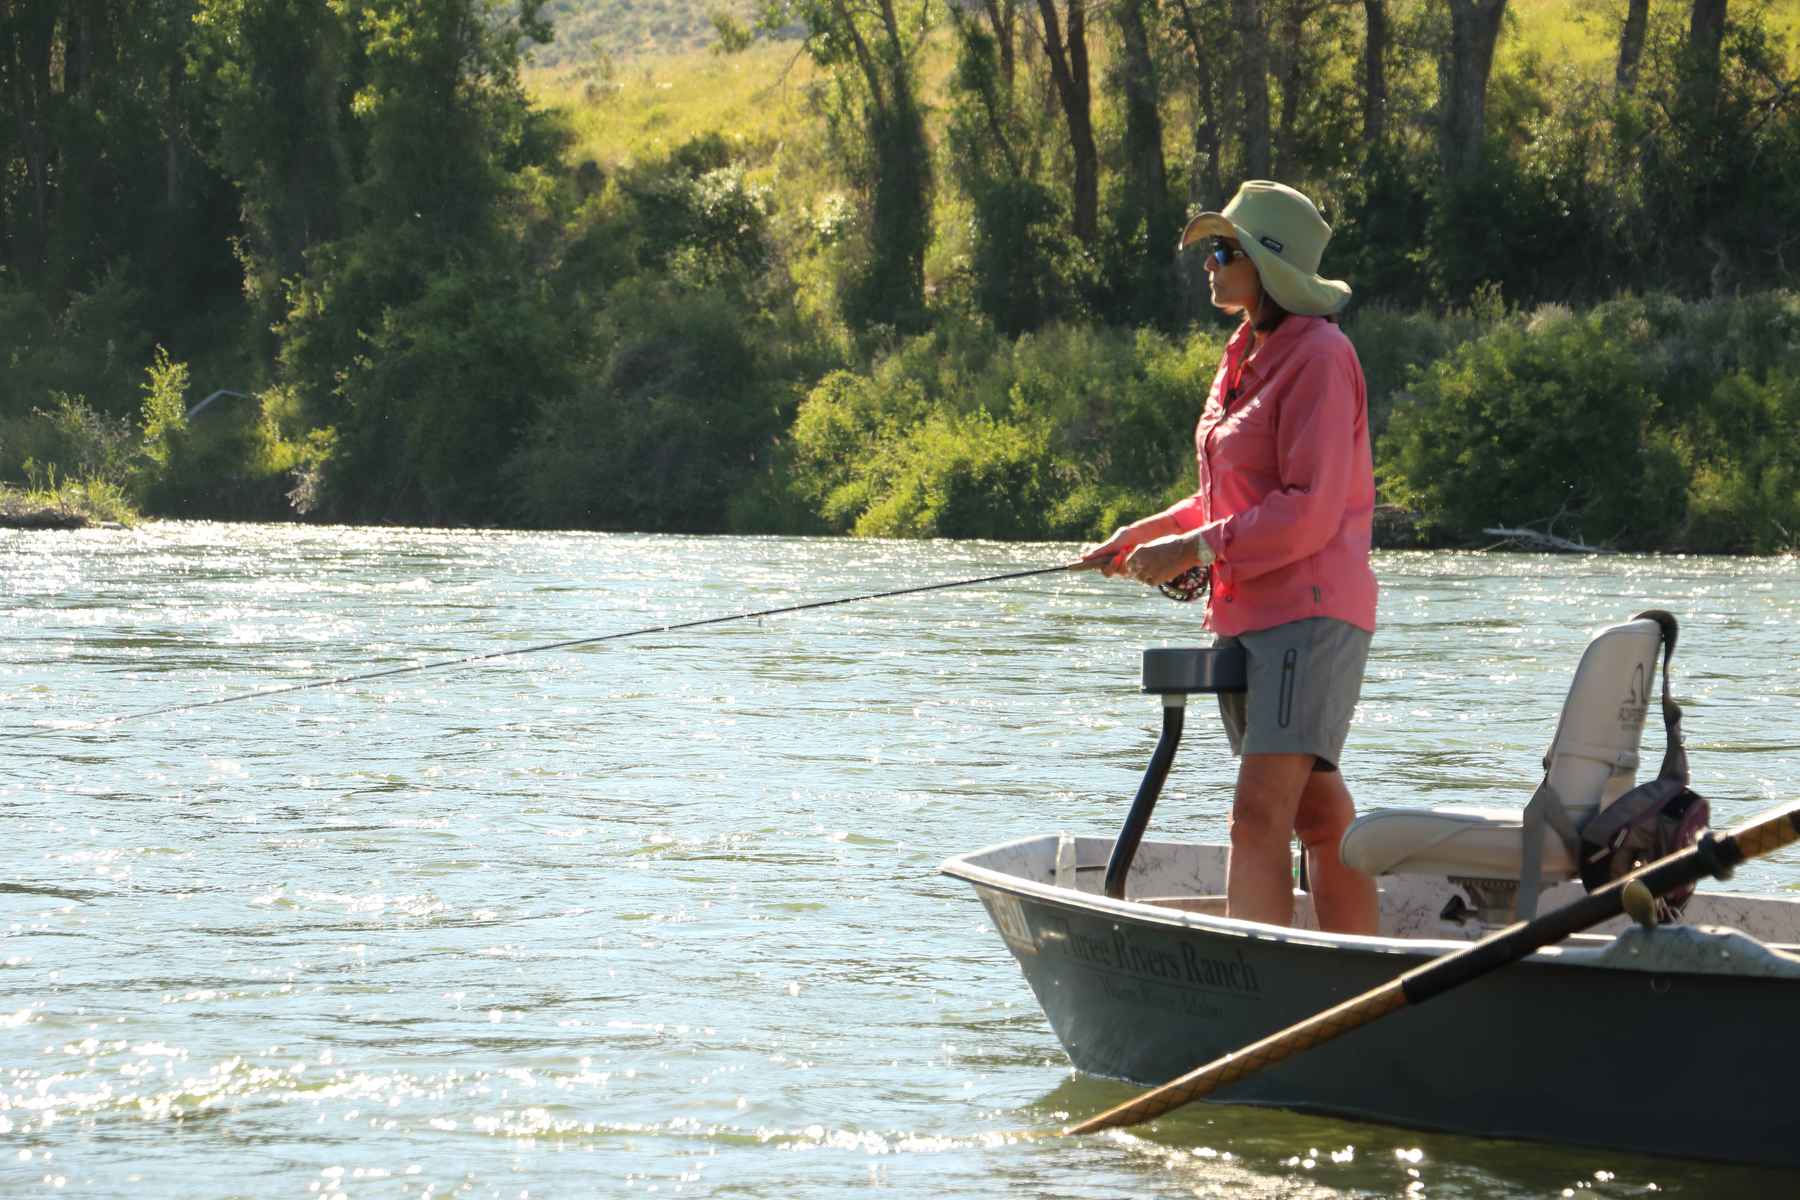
{"x": 1284, "y": 710}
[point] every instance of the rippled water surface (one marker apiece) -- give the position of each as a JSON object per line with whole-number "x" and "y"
{"x": 661, "y": 915}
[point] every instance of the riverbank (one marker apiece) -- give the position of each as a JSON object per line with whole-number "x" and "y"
{"x": 72, "y": 506}
{"x": 1395, "y": 526}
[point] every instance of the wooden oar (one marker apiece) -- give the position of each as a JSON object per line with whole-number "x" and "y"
{"x": 1713, "y": 855}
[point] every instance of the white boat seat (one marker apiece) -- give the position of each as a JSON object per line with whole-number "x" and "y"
{"x": 1592, "y": 761}
{"x": 1484, "y": 842}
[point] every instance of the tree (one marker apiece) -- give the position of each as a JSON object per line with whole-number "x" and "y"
{"x": 1252, "y": 63}
{"x": 1065, "y": 47}
{"x": 1206, "y": 184}
{"x": 871, "y": 52}
{"x": 1145, "y": 220}
{"x": 279, "y": 77}
{"x": 1147, "y": 186}
{"x": 1022, "y": 257}
{"x": 1631, "y": 43}
{"x": 97, "y": 161}
{"x": 1706, "y": 41}
{"x": 423, "y": 333}
{"x": 1375, "y": 86}
{"x": 1463, "y": 72}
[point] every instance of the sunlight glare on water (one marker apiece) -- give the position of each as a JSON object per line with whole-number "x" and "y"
{"x": 662, "y": 914}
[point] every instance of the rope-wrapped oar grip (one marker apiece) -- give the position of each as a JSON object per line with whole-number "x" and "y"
{"x": 1765, "y": 837}
{"x": 1277, "y": 1047}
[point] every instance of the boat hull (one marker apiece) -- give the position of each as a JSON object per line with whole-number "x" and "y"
{"x": 1632, "y": 1043}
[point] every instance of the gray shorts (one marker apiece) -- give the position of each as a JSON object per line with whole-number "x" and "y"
{"x": 1303, "y": 681}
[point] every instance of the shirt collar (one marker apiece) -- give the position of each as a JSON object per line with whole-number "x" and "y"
{"x": 1294, "y": 326}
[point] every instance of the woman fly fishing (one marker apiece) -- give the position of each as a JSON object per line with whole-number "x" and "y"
{"x": 1280, "y": 522}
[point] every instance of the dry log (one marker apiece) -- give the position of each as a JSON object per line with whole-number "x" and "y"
{"x": 1531, "y": 539}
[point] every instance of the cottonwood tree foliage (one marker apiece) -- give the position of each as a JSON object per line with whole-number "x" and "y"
{"x": 351, "y": 212}
{"x": 871, "y": 49}
{"x": 104, "y": 185}
{"x": 1026, "y": 267}
{"x": 420, "y": 328}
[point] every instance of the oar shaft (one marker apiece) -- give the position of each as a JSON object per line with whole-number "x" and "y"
{"x": 1241, "y": 1064}
{"x": 1712, "y": 855}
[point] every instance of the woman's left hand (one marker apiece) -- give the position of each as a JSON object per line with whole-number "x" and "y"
{"x": 1158, "y": 561}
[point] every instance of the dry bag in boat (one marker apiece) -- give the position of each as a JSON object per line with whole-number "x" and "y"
{"x": 1654, "y": 819}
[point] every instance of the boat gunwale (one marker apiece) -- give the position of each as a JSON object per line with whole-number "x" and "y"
{"x": 1560, "y": 954}
{"x": 958, "y": 867}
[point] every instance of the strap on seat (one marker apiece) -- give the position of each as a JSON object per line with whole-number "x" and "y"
{"x": 1546, "y": 808}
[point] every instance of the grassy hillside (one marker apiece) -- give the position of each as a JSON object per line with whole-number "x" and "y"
{"x": 630, "y": 110}
{"x": 621, "y": 29}
{"x": 639, "y": 76}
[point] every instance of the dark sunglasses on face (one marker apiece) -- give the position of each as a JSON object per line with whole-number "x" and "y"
{"x": 1224, "y": 254}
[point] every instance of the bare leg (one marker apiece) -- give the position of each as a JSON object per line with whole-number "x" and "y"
{"x": 1259, "y": 881}
{"x": 1344, "y": 898}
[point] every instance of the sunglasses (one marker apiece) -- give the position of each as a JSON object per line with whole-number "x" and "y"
{"x": 1223, "y": 255}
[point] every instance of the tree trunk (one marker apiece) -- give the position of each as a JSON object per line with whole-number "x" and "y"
{"x": 1003, "y": 16}
{"x": 1146, "y": 173}
{"x": 1287, "y": 53}
{"x": 865, "y": 58}
{"x": 1375, "y": 88}
{"x": 1706, "y": 38}
{"x": 1253, "y": 83}
{"x": 1631, "y": 43}
{"x": 901, "y": 210}
{"x": 1462, "y": 83}
{"x": 995, "y": 95}
{"x": 1706, "y": 29}
{"x": 1069, "y": 71}
{"x": 173, "y": 136}
{"x": 1206, "y": 186}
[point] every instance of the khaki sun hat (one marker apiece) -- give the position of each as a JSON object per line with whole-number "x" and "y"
{"x": 1285, "y": 236}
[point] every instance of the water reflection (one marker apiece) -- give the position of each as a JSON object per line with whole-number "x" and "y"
{"x": 1271, "y": 1151}
{"x": 663, "y": 912}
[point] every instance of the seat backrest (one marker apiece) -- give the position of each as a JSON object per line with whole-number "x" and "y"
{"x": 1593, "y": 758}
{"x": 1504, "y": 859}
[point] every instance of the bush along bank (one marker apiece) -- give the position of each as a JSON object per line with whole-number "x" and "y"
{"x": 1646, "y": 423}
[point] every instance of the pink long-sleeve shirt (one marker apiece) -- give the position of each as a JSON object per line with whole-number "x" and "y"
{"x": 1287, "y": 482}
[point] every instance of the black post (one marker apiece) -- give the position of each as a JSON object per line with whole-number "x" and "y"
{"x": 1132, "y": 832}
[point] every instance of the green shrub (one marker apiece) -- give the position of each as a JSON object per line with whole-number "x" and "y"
{"x": 79, "y": 361}
{"x": 228, "y": 463}
{"x": 1088, "y": 427}
{"x": 970, "y": 477}
{"x": 1544, "y": 422}
{"x": 82, "y": 445}
{"x": 1393, "y": 345}
{"x": 1745, "y": 447}
{"x": 678, "y": 410}
{"x": 697, "y": 216}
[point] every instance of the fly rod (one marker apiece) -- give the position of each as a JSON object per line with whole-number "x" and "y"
{"x": 569, "y": 644}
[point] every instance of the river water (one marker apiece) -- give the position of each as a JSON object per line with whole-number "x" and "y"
{"x": 661, "y": 915}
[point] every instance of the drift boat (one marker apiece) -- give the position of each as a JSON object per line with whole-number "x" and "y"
{"x": 1657, "y": 1038}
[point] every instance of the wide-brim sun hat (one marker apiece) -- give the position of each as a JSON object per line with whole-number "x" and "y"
{"x": 1284, "y": 235}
